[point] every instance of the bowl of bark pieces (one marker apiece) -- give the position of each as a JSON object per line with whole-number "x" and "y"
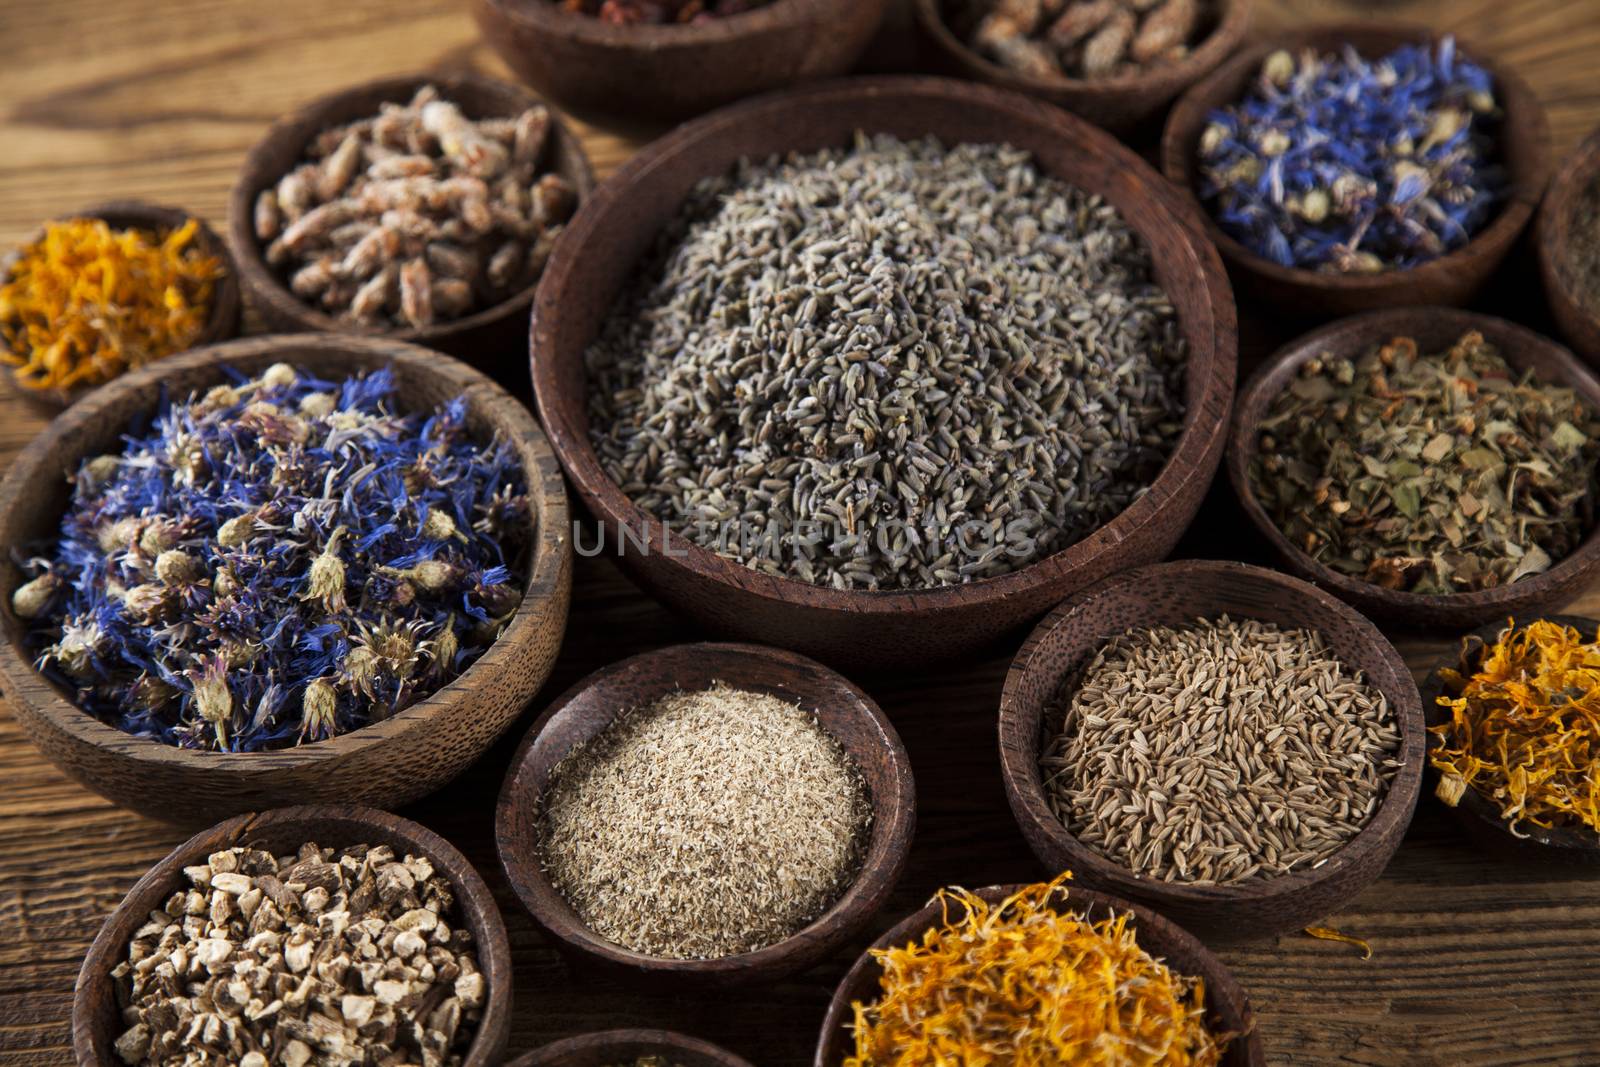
{"x": 261, "y": 891}
{"x": 420, "y": 208}
{"x": 1570, "y": 218}
{"x": 1228, "y": 1009}
{"x": 222, "y": 317}
{"x": 1117, "y": 63}
{"x": 388, "y": 762}
{"x": 613, "y": 1047}
{"x": 1476, "y": 813}
{"x": 1049, "y": 669}
{"x": 843, "y": 711}
{"x": 639, "y": 75}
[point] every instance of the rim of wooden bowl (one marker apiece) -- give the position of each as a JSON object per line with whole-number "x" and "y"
{"x": 1578, "y": 319}
{"x": 1434, "y": 329}
{"x": 1524, "y": 140}
{"x": 43, "y": 469}
{"x": 728, "y": 29}
{"x": 1478, "y": 815}
{"x": 594, "y": 702}
{"x": 1270, "y": 904}
{"x": 283, "y": 145}
{"x": 624, "y": 202}
{"x": 94, "y": 1024}
{"x": 1159, "y": 936}
{"x": 603, "y": 1049}
{"x": 221, "y": 324}
{"x": 1160, "y": 84}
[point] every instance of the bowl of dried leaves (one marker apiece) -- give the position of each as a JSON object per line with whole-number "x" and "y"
{"x": 1115, "y": 62}
{"x": 1430, "y": 465}
{"x": 300, "y": 935}
{"x": 630, "y": 1048}
{"x": 640, "y": 64}
{"x": 420, "y": 208}
{"x": 1226, "y": 744}
{"x": 1514, "y": 736}
{"x": 286, "y": 569}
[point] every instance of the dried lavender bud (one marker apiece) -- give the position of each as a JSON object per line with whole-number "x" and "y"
{"x": 1343, "y": 164}
{"x": 229, "y": 627}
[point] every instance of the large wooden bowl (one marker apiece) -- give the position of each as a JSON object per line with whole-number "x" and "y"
{"x": 1228, "y": 1008}
{"x": 491, "y": 338}
{"x": 220, "y": 325}
{"x": 1434, "y": 330}
{"x": 1450, "y": 279}
{"x": 636, "y": 77}
{"x": 96, "y": 1020}
{"x": 844, "y": 711}
{"x": 1175, "y": 594}
{"x": 1481, "y": 818}
{"x": 1578, "y": 317}
{"x": 621, "y": 220}
{"x": 625, "y": 1046}
{"x": 388, "y": 763}
{"x": 1120, "y": 103}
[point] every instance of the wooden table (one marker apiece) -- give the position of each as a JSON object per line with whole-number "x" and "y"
{"x": 1475, "y": 962}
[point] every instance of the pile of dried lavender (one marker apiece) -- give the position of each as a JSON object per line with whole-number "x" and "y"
{"x": 1080, "y": 38}
{"x": 326, "y": 958}
{"x": 704, "y": 825}
{"x": 891, "y": 366}
{"x": 279, "y": 560}
{"x": 416, "y": 216}
{"x": 1218, "y": 752}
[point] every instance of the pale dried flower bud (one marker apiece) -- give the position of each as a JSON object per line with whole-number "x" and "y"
{"x": 176, "y": 567}
{"x": 279, "y": 376}
{"x": 439, "y": 526}
{"x": 237, "y": 530}
{"x": 326, "y": 580}
{"x": 32, "y": 599}
{"x": 318, "y": 706}
{"x": 100, "y": 469}
{"x": 318, "y": 405}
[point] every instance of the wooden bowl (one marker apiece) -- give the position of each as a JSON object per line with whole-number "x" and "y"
{"x": 1228, "y": 1008}
{"x": 1434, "y": 330}
{"x": 490, "y": 339}
{"x": 223, "y": 322}
{"x": 844, "y": 711}
{"x": 624, "y": 1046}
{"x": 96, "y": 1021}
{"x": 389, "y": 763}
{"x": 900, "y": 627}
{"x": 1579, "y": 319}
{"x": 642, "y": 76}
{"x": 1480, "y": 817}
{"x": 1175, "y": 594}
{"x": 1121, "y": 103}
{"x": 1450, "y": 279}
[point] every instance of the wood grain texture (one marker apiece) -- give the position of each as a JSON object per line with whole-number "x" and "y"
{"x": 1477, "y": 962}
{"x": 1175, "y": 594}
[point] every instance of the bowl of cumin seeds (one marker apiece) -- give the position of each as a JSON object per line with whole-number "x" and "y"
{"x": 1232, "y": 746}
{"x": 880, "y": 370}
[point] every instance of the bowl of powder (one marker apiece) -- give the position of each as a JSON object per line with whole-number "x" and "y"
{"x": 713, "y": 812}
{"x": 882, "y": 369}
{"x": 1229, "y": 745}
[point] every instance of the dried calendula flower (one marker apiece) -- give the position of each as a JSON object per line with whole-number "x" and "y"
{"x": 1524, "y": 730}
{"x": 85, "y": 302}
{"x": 1028, "y": 982}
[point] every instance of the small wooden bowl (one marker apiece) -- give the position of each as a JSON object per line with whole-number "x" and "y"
{"x": 1450, "y": 279}
{"x": 1480, "y": 817}
{"x": 844, "y": 711}
{"x": 221, "y": 325}
{"x": 880, "y": 628}
{"x": 624, "y": 1046}
{"x": 1175, "y": 594}
{"x": 389, "y": 763}
{"x": 96, "y": 1022}
{"x": 490, "y": 339}
{"x": 1578, "y": 318}
{"x": 1119, "y": 104}
{"x": 1434, "y": 330}
{"x": 636, "y": 77}
{"x": 1228, "y": 1008}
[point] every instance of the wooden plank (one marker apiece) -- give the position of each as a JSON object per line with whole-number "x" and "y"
{"x": 1476, "y": 962}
